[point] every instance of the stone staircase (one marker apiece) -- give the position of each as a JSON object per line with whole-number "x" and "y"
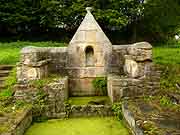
{"x": 4, "y": 72}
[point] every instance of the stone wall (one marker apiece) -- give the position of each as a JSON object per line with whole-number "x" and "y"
{"x": 130, "y": 119}
{"x": 140, "y": 76}
{"x": 132, "y": 63}
{"x": 118, "y": 59}
{"x": 21, "y": 124}
{"x": 90, "y": 110}
{"x": 38, "y": 62}
{"x": 122, "y": 86}
{"x": 56, "y": 93}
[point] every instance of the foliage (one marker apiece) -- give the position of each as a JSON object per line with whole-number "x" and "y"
{"x": 38, "y": 105}
{"x": 6, "y": 93}
{"x": 39, "y": 84}
{"x": 100, "y": 85}
{"x": 4, "y": 128}
{"x": 161, "y": 19}
{"x": 67, "y": 107}
{"x": 60, "y": 13}
{"x": 158, "y": 19}
{"x": 117, "y": 109}
{"x": 20, "y": 104}
{"x": 165, "y": 101}
{"x": 170, "y": 78}
{"x": 150, "y": 128}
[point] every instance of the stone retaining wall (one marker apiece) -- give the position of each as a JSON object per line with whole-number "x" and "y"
{"x": 129, "y": 118}
{"x": 122, "y": 86}
{"x": 21, "y": 123}
{"x": 90, "y": 110}
{"x": 56, "y": 93}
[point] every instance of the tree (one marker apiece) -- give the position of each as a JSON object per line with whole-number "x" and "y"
{"x": 160, "y": 20}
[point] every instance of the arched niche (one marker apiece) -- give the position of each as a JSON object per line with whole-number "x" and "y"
{"x": 89, "y": 53}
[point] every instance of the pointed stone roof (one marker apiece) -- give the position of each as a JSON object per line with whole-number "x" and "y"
{"x": 89, "y": 31}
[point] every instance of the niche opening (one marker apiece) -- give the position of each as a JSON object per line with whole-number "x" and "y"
{"x": 89, "y": 52}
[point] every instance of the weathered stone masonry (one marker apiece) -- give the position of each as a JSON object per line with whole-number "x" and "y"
{"x": 90, "y": 54}
{"x": 129, "y": 70}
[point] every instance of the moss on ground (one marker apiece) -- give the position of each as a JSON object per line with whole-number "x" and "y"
{"x": 156, "y": 115}
{"x": 79, "y": 126}
{"x": 89, "y": 100}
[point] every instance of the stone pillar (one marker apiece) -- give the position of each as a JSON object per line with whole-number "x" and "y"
{"x": 138, "y": 60}
{"x": 33, "y": 64}
{"x": 141, "y": 76}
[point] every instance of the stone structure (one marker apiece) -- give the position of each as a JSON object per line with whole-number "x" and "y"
{"x": 19, "y": 124}
{"x": 90, "y": 110}
{"x": 90, "y": 54}
{"x": 54, "y": 93}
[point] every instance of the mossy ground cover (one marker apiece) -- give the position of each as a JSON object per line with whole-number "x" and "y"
{"x": 79, "y": 126}
{"x": 156, "y": 115}
{"x": 10, "y": 52}
{"x": 10, "y": 112}
{"x": 88, "y": 100}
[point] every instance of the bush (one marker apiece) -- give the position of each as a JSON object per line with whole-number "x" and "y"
{"x": 6, "y": 93}
{"x": 117, "y": 109}
{"x": 100, "y": 85}
{"x": 170, "y": 78}
{"x": 165, "y": 101}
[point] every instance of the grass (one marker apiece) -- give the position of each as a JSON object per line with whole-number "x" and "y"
{"x": 164, "y": 56}
{"x": 86, "y": 100}
{"x": 10, "y": 52}
{"x": 79, "y": 126}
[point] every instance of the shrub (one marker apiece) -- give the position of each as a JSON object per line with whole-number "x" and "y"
{"x": 165, "y": 101}
{"x": 38, "y": 105}
{"x": 117, "y": 109}
{"x": 6, "y": 93}
{"x": 170, "y": 77}
{"x": 100, "y": 85}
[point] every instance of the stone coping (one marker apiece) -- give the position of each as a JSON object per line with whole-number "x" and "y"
{"x": 35, "y": 64}
{"x": 90, "y": 110}
{"x": 34, "y": 49}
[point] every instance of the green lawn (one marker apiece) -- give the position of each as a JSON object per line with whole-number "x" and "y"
{"x": 79, "y": 126}
{"x": 10, "y": 52}
{"x": 164, "y": 56}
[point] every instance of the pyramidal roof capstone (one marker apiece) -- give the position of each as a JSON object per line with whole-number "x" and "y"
{"x": 89, "y": 28}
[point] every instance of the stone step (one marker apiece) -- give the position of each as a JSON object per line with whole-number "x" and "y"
{"x": 6, "y": 67}
{"x": 3, "y": 78}
{"x": 4, "y": 73}
{"x": 1, "y": 87}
